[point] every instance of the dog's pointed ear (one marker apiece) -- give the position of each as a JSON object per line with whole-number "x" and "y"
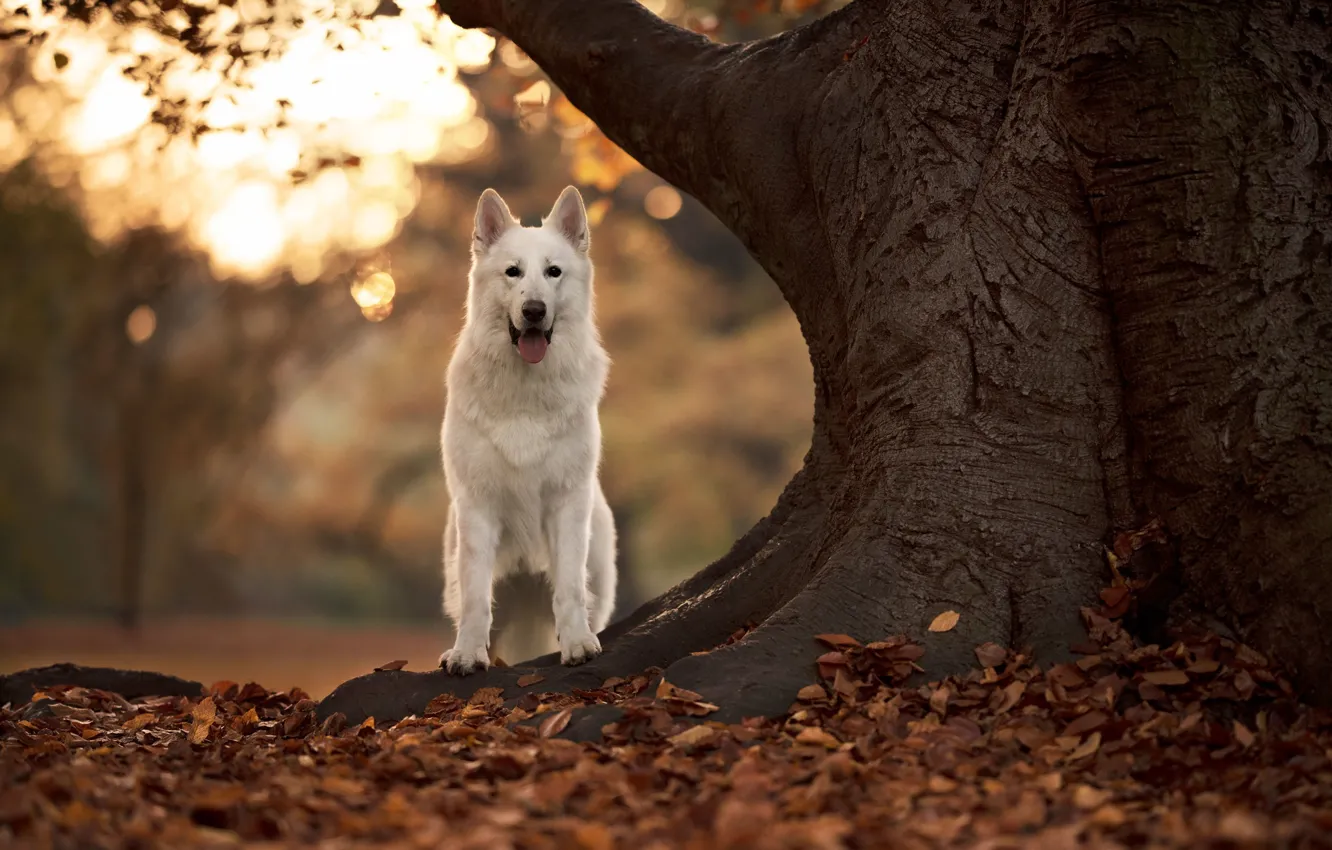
{"x": 569, "y": 218}
{"x": 492, "y": 219}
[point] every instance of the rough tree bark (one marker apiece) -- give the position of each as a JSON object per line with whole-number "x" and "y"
{"x": 1063, "y": 268}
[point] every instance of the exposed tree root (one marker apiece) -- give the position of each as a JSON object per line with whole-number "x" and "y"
{"x": 18, "y": 688}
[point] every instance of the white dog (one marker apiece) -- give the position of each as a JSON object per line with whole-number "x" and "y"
{"x": 521, "y": 438}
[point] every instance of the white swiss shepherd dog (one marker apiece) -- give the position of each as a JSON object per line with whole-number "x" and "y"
{"x": 521, "y": 438}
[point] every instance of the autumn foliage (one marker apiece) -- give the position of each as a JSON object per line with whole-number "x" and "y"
{"x": 1198, "y": 744}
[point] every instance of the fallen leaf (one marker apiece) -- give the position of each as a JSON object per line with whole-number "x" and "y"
{"x": 1166, "y": 677}
{"x": 333, "y": 724}
{"x": 203, "y": 715}
{"x": 829, "y": 662}
{"x": 1086, "y": 723}
{"x": 1241, "y": 827}
{"x": 1108, "y": 816}
{"x": 1113, "y": 596}
{"x": 939, "y": 700}
{"x": 665, "y": 690}
{"x": 1086, "y": 748}
{"x": 838, "y": 641}
{"x": 1243, "y": 735}
{"x": 593, "y": 836}
{"x": 945, "y": 622}
{"x": 220, "y": 688}
{"x": 443, "y": 704}
{"x": 692, "y": 736}
{"x": 556, "y": 723}
{"x": 138, "y": 722}
{"x": 248, "y": 720}
{"x": 392, "y": 665}
{"x": 1009, "y": 696}
{"x": 530, "y": 679}
{"x": 811, "y": 693}
{"x": 815, "y": 735}
{"x": 487, "y": 698}
{"x": 941, "y": 785}
{"x": 991, "y": 654}
{"x": 1087, "y": 798}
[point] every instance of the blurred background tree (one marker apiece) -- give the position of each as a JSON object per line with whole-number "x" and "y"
{"x": 233, "y": 252}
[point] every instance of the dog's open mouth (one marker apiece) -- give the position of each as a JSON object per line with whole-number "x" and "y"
{"x": 531, "y": 342}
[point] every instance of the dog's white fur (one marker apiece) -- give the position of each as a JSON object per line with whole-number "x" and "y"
{"x": 522, "y": 442}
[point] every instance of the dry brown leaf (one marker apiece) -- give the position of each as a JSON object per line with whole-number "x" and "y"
{"x": 815, "y": 735}
{"x": 1245, "y": 738}
{"x": 939, "y": 699}
{"x": 530, "y": 679}
{"x": 1086, "y": 723}
{"x": 838, "y": 641}
{"x": 945, "y": 622}
{"x": 248, "y": 720}
{"x": 1114, "y": 596}
{"x": 138, "y": 722}
{"x": 941, "y": 785}
{"x": 991, "y": 654}
{"x": 665, "y": 690}
{"x": 1088, "y": 747}
{"x": 1087, "y": 798}
{"x": 1241, "y": 827}
{"x": 392, "y": 665}
{"x": 487, "y": 698}
{"x": 555, "y": 724}
{"x": 1108, "y": 816}
{"x": 203, "y": 715}
{"x": 811, "y": 693}
{"x": 1166, "y": 677}
{"x": 593, "y": 836}
{"x": 1010, "y": 696}
{"x": 692, "y": 736}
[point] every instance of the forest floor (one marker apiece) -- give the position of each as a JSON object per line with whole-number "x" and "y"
{"x": 316, "y": 656}
{"x": 1198, "y": 744}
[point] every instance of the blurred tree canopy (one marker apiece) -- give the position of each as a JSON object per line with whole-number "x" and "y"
{"x": 207, "y": 405}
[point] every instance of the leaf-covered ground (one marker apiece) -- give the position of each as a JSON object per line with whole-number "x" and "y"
{"x": 1198, "y": 744}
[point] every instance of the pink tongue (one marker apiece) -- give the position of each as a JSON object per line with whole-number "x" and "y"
{"x": 532, "y": 346}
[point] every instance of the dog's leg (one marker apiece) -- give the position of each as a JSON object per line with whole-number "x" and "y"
{"x": 570, "y": 530}
{"x": 601, "y": 563}
{"x": 478, "y": 543}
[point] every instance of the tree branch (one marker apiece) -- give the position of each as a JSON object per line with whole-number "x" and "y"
{"x": 718, "y": 121}
{"x": 645, "y": 82}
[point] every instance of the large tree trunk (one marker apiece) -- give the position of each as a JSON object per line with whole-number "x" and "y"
{"x": 1063, "y": 268}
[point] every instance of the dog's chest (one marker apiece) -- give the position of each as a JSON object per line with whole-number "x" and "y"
{"x": 523, "y": 441}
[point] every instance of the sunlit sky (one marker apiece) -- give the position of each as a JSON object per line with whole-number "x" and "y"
{"x": 390, "y": 97}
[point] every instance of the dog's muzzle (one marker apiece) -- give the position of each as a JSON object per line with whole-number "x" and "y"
{"x": 515, "y": 334}
{"x": 532, "y": 341}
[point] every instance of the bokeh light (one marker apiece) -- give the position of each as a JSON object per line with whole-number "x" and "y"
{"x": 281, "y": 163}
{"x": 141, "y": 324}
{"x": 662, "y": 202}
{"x": 374, "y": 294}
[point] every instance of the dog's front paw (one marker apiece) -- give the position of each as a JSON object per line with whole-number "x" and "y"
{"x": 462, "y": 661}
{"x": 580, "y": 649}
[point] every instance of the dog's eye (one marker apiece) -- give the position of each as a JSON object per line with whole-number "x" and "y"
{"x": 553, "y": 271}
{"x": 513, "y": 271}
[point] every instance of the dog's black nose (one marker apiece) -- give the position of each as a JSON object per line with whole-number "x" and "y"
{"x": 534, "y": 311}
